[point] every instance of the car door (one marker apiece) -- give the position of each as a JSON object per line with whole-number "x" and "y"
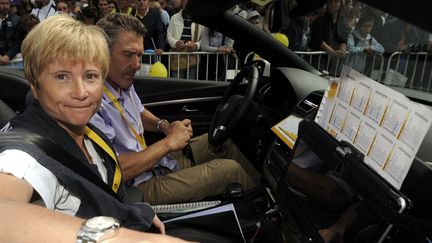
{"x": 178, "y": 99}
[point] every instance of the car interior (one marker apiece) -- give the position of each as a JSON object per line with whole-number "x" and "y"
{"x": 275, "y": 212}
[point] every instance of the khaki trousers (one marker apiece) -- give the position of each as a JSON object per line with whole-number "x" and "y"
{"x": 214, "y": 169}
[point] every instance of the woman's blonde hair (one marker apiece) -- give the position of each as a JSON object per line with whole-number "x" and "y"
{"x": 63, "y": 39}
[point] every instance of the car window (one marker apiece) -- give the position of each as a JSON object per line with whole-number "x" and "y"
{"x": 377, "y": 44}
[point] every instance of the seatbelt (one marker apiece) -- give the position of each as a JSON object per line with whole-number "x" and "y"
{"x": 56, "y": 152}
{"x": 99, "y": 141}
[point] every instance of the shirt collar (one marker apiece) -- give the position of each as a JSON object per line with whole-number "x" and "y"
{"x": 119, "y": 96}
{"x": 113, "y": 91}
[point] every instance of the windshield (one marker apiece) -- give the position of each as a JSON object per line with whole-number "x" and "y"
{"x": 373, "y": 42}
{"x": 330, "y": 34}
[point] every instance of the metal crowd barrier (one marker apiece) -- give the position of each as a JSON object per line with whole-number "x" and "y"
{"x": 210, "y": 66}
{"x": 410, "y": 70}
{"x": 370, "y": 65}
{"x": 407, "y": 70}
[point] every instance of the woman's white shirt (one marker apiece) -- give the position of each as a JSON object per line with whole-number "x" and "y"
{"x": 54, "y": 196}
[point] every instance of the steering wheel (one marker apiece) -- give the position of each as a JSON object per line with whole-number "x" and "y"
{"x": 232, "y": 107}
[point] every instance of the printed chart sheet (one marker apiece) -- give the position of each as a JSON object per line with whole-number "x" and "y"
{"x": 382, "y": 123}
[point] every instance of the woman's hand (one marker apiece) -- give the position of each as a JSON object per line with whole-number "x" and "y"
{"x": 158, "y": 224}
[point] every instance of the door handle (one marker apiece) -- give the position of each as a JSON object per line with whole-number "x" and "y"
{"x": 186, "y": 109}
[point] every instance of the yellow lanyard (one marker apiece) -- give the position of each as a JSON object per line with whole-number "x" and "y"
{"x": 99, "y": 141}
{"x": 138, "y": 137}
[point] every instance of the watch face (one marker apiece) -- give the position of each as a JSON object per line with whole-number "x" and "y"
{"x": 101, "y": 223}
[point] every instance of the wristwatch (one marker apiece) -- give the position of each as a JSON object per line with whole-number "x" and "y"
{"x": 159, "y": 123}
{"x": 97, "y": 229}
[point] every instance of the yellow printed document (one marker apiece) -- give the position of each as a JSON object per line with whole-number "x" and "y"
{"x": 287, "y": 129}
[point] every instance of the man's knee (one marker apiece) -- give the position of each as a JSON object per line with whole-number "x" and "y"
{"x": 231, "y": 169}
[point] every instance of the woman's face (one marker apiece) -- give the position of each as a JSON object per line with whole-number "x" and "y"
{"x": 62, "y": 7}
{"x": 70, "y": 93}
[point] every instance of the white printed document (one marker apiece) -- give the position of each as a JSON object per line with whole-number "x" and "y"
{"x": 383, "y": 124}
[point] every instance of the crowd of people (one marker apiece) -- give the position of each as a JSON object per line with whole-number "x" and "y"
{"x": 334, "y": 28}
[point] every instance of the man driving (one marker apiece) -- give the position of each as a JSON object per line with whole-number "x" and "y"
{"x": 160, "y": 170}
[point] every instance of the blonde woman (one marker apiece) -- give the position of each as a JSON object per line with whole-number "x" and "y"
{"x": 65, "y": 62}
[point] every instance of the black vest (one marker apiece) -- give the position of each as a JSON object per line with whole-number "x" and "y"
{"x": 94, "y": 200}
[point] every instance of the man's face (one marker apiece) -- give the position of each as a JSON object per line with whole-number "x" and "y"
{"x": 125, "y": 59}
{"x": 103, "y": 6}
{"x": 70, "y": 93}
{"x": 4, "y": 6}
{"x": 142, "y": 4}
{"x": 177, "y": 4}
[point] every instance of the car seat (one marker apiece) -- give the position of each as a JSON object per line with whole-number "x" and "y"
{"x": 6, "y": 113}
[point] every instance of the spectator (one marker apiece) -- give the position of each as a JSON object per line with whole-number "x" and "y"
{"x": 89, "y": 14}
{"x": 167, "y": 7}
{"x": 360, "y": 43}
{"x": 413, "y": 39}
{"x": 298, "y": 33}
{"x": 241, "y": 10}
{"x": 213, "y": 41}
{"x": 44, "y": 8}
{"x": 176, "y": 6}
{"x": 65, "y": 63}
{"x": 102, "y": 6}
{"x": 165, "y": 17}
{"x": 28, "y": 22}
{"x": 254, "y": 17}
{"x": 160, "y": 170}
{"x": 26, "y": 8}
{"x": 349, "y": 16}
{"x": 154, "y": 38}
{"x": 125, "y": 7}
{"x": 76, "y": 13}
{"x": 10, "y": 33}
{"x": 387, "y": 31}
{"x": 325, "y": 35}
{"x": 243, "y": 52}
{"x": 63, "y": 7}
{"x": 112, "y": 6}
{"x": 15, "y": 6}
{"x": 183, "y": 36}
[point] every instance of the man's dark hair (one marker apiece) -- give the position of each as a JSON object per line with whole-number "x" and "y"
{"x": 113, "y": 24}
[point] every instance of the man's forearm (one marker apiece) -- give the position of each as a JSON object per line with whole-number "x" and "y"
{"x": 135, "y": 163}
{"x": 149, "y": 121}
